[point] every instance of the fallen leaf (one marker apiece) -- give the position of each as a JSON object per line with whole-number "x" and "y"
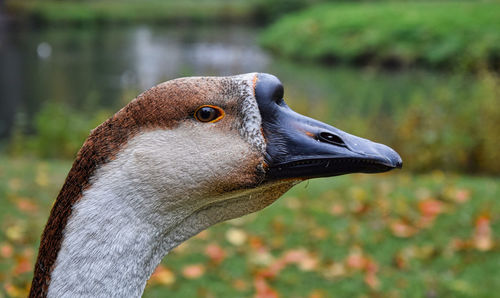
{"x": 462, "y": 195}
{"x": 6, "y": 250}
{"x": 15, "y": 232}
{"x": 23, "y": 265}
{"x": 336, "y": 209}
{"x": 335, "y": 270}
{"x": 215, "y": 253}
{"x": 163, "y": 276}
{"x": 316, "y": 294}
{"x": 236, "y": 237}
{"x": 25, "y": 205}
{"x": 401, "y": 229}
{"x": 193, "y": 271}
{"x": 181, "y": 248}
{"x": 274, "y": 269}
{"x": 482, "y": 237}
{"x": 294, "y": 255}
{"x": 255, "y": 242}
{"x": 309, "y": 263}
{"x": 13, "y": 291}
{"x": 263, "y": 290}
{"x": 400, "y": 261}
{"x": 261, "y": 257}
{"x": 372, "y": 280}
{"x": 430, "y": 207}
{"x": 355, "y": 260}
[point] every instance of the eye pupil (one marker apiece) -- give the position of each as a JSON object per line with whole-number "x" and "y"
{"x": 208, "y": 114}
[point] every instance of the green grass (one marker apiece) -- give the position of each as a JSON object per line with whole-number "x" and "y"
{"x": 456, "y": 34}
{"x": 389, "y": 235}
{"x": 113, "y": 11}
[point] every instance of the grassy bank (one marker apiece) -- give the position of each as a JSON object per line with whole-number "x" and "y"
{"x": 391, "y": 235}
{"x": 129, "y": 11}
{"x": 436, "y": 34}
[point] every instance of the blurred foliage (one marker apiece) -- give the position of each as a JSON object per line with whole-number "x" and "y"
{"x": 457, "y": 35}
{"x": 268, "y": 11}
{"x": 154, "y": 11}
{"x": 113, "y": 11}
{"x": 389, "y": 235}
{"x": 59, "y": 132}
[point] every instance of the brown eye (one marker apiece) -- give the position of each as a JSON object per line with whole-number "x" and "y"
{"x": 208, "y": 113}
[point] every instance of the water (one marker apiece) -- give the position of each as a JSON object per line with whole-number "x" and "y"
{"x": 89, "y": 68}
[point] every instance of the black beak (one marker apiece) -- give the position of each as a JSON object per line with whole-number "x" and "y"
{"x": 301, "y": 147}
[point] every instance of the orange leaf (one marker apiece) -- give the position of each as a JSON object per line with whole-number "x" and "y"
{"x": 215, "y": 253}
{"x": 430, "y": 207}
{"x": 355, "y": 260}
{"x": 316, "y": 294}
{"x": 162, "y": 275}
{"x": 309, "y": 263}
{"x": 401, "y": 229}
{"x": 255, "y": 242}
{"x": 294, "y": 255}
{"x": 461, "y": 195}
{"x": 336, "y": 209}
{"x": 274, "y": 269}
{"x": 23, "y": 265}
{"x": 193, "y": 271}
{"x": 482, "y": 234}
{"x": 6, "y": 250}
{"x": 372, "y": 281}
{"x": 263, "y": 290}
{"x": 26, "y": 205}
{"x": 371, "y": 269}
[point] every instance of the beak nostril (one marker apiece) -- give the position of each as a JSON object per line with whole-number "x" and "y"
{"x": 331, "y": 139}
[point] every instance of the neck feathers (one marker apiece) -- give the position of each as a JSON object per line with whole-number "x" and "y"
{"x": 101, "y": 146}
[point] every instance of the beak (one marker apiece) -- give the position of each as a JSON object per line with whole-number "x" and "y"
{"x": 302, "y": 147}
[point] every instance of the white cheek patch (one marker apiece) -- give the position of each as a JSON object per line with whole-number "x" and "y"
{"x": 250, "y": 129}
{"x": 117, "y": 232}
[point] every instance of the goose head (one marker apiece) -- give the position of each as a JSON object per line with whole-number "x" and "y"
{"x": 182, "y": 156}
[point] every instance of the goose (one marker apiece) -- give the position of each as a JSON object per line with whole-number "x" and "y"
{"x": 182, "y": 156}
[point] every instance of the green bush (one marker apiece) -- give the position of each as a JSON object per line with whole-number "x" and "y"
{"x": 435, "y": 34}
{"x": 112, "y": 11}
{"x": 59, "y": 132}
{"x": 460, "y": 134}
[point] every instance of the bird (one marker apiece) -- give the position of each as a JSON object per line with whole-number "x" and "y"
{"x": 180, "y": 157}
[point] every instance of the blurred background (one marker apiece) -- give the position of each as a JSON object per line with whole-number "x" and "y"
{"x": 421, "y": 77}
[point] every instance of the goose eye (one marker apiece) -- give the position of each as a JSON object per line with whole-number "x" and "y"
{"x": 208, "y": 113}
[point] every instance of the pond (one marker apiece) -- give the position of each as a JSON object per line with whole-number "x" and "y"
{"x": 89, "y": 69}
